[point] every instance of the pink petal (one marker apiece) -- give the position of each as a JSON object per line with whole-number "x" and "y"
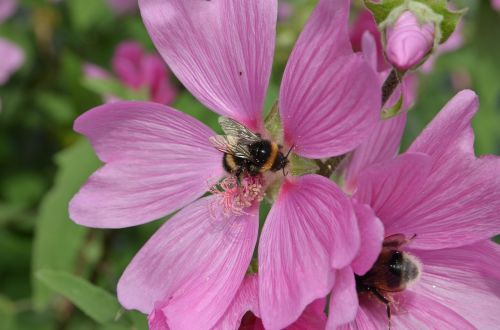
{"x": 369, "y": 49}
{"x": 371, "y": 315}
{"x": 122, "y": 7}
{"x": 460, "y": 201}
{"x": 195, "y": 263}
{"x": 93, "y": 71}
{"x": 12, "y": 59}
{"x": 410, "y": 311}
{"x": 220, "y": 50}
{"x": 7, "y": 9}
{"x": 246, "y": 299}
{"x": 466, "y": 280}
{"x": 371, "y": 232}
{"x": 310, "y": 227}
{"x": 127, "y": 62}
{"x": 390, "y": 187}
{"x": 366, "y": 23}
{"x": 343, "y": 300}
{"x": 137, "y": 69}
{"x": 495, "y": 4}
{"x": 421, "y": 312}
{"x": 409, "y": 87}
{"x": 382, "y": 145}
{"x": 313, "y": 317}
{"x": 451, "y": 127}
{"x": 157, "y": 161}
{"x": 156, "y": 77}
{"x": 330, "y": 97}
{"x": 157, "y": 319}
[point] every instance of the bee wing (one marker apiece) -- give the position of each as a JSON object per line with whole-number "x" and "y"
{"x": 233, "y": 128}
{"x": 230, "y": 145}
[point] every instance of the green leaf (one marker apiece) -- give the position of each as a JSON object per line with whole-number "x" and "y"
{"x": 113, "y": 87}
{"x": 56, "y": 107}
{"x": 301, "y": 166}
{"x": 58, "y": 239}
{"x": 382, "y": 9}
{"x": 273, "y": 124}
{"x": 86, "y": 14}
{"x": 7, "y": 313}
{"x": 394, "y": 110}
{"x": 139, "y": 320}
{"x": 98, "y": 304}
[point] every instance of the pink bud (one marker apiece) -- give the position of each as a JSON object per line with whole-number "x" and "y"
{"x": 408, "y": 41}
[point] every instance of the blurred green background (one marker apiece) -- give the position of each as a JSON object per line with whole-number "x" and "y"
{"x": 46, "y": 261}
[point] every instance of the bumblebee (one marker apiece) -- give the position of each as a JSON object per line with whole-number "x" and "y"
{"x": 247, "y": 152}
{"x": 393, "y": 271}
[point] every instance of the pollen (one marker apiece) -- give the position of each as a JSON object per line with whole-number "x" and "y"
{"x": 235, "y": 197}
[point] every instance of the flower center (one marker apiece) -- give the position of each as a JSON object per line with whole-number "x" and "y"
{"x": 235, "y": 197}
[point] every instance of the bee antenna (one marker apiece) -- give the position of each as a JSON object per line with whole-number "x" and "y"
{"x": 289, "y": 150}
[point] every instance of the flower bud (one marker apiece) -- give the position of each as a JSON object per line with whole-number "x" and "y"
{"x": 408, "y": 41}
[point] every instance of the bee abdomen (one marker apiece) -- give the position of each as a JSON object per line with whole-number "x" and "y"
{"x": 229, "y": 163}
{"x": 271, "y": 158}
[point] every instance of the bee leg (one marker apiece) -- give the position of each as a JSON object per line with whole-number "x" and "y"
{"x": 385, "y": 301}
{"x": 237, "y": 174}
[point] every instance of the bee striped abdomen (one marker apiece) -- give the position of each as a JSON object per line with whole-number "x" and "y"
{"x": 271, "y": 160}
{"x": 229, "y": 163}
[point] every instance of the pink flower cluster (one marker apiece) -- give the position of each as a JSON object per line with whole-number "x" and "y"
{"x": 12, "y": 56}
{"x": 402, "y": 242}
{"x": 136, "y": 70}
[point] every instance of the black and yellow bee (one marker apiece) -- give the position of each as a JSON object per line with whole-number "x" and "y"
{"x": 246, "y": 152}
{"x": 393, "y": 271}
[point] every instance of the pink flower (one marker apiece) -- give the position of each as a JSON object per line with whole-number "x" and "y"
{"x": 7, "y": 9}
{"x": 122, "y": 7}
{"x": 244, "y": 313}
{"x": 446, "y": 202}
{"x": 408, "y": 41}
{"x": 158, "y": 160}
{"x": 12, "y": 59}
{"x": 386, "y": 136}
{"x": 137, "y": 69}
{"x": 495, "y": 4}
{"x": 285, "y": 10}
